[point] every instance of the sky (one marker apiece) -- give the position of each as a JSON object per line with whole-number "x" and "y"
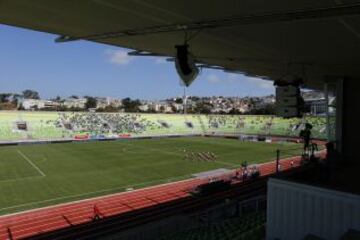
{"x": 32, "y": 60}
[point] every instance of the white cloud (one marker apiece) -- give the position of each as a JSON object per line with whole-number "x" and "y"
{"x": 118, "y": 57}
{"x": 212, "y": 78}
{"x": 261, "y": 83}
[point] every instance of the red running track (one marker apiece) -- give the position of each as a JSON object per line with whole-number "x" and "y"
{"x": 43, "y": 220}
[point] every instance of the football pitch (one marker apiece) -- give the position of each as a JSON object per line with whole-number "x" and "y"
{"x": 40, "y": 175}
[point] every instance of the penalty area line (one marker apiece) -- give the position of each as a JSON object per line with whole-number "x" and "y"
{"x": 20, "y": 179}
{"x": 232, "y": 165}
{"x": 31, "y": 163}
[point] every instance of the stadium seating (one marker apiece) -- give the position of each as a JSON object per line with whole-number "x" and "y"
{"x": 250, "y": 227}
{"x": 22, "y": 125}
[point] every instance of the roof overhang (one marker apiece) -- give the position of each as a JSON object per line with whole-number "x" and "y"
{"x": 315, "y": 40}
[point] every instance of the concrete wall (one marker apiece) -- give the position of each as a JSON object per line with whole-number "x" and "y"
{"x": 295, "y": 210}
{"x": 350, "y": 122}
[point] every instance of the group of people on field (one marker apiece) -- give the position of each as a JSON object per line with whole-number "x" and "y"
{"x": 200, "y": 156}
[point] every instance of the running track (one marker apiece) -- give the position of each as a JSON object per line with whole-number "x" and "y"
{"x": 43, "y": 220}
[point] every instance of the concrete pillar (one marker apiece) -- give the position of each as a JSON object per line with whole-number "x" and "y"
{"x": 349, "y": 119}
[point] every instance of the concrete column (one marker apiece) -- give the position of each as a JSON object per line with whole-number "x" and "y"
{"x": 349, "y": 119}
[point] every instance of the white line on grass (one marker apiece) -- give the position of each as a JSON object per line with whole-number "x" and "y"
{"x": 225, "y": 163}
{"x": 31, "y": 163}
{"x": 19, "y": 179}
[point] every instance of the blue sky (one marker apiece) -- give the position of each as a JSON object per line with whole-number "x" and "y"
{"x": 31, "y": 60}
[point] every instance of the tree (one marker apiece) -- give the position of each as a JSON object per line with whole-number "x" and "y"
{"x": 15, "y": 98}
{"x": 56, "y": 99}
{"x": 234, "y": 111}
{"x": 194, "y": 98}
{"x": 130, "y": 105}
{"x": 173, "y": 109}
{"x": 179, "y": 100}
{"x": 91, "y": 102}
{"x": 203, "y": 107}
{"x": 108, "y": 108}
{"x": 75, "y": 109}
{"x": 268, "y": 109}
{"x": 30, "y": 94}
{"x": 21, "y": 107}
{"x": 4, "y": 97}
{"x": 8, "y": 101}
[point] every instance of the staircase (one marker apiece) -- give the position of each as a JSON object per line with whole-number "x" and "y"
{"x": 202, "y": 125}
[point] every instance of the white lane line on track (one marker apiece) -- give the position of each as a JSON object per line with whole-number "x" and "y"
{"x": 31, "y": 163}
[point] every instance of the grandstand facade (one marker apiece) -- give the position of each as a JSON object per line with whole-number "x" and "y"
{"x": 27, "y": 126}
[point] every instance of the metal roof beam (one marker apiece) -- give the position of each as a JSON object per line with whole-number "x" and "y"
{"x": 297, "y": 15}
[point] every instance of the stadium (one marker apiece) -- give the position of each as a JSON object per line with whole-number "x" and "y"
{"x": 98, "y": 175}
{"x": 54, "y": 157}
{"x": 111, "y": 135}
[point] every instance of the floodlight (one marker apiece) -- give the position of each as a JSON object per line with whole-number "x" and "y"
{"x": 185, "y": 64}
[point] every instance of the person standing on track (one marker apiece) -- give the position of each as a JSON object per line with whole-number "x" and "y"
{"x": 244, "y": 174}
{"x": 97, "y": 213}
{"x": 306, "y": 136}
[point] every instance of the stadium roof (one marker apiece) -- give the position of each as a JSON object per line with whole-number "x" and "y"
{"x": 265, "y": 38}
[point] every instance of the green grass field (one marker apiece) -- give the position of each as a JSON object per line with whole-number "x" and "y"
{"x": 40, "y": 175}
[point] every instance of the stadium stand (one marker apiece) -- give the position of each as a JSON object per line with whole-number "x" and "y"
{"x": 20, "y": 125}
{"x": 251, "y": 226}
